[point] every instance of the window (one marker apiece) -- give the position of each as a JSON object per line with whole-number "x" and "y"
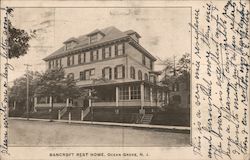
{"x": 152, "y": 79}
{"x": 119, "y": 49}
{"x": 57, "y": 62}
{"x": 107, "y": 73}
{"x": 50, "y": 65}
{"x": 94, "y": 55}
{"x": 151, "y": 64}
{"x": 139, "y": 75}
{"x": 70, "y": 60}
{"x": 86, "y": 75}
{"x": 146, "y": 77}
{"x": 154, "y": 95}
{"x": 123, "y": 93}
{"x": 143, "y": 60}
{"x": 106, "y": 52}
{"x": 147, "y": 93}
{"x": 132, "y": 72}
{"x": 70, "y": 75}
{"x": 119, "y": 71}
{"x": 135, "y": 92}
{"x": 93, "y": 38}
{"x": 82, "y": 76}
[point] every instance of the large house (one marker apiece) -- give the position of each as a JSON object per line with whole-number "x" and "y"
{"x": 116, "y": 66}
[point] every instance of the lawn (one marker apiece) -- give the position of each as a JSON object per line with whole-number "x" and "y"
{"x": 38, "y": 133}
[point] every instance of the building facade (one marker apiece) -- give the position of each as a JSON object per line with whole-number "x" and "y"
{"x": 115, "y": 65}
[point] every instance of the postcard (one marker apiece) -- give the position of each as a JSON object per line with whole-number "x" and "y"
{"x": 124, "y": 80}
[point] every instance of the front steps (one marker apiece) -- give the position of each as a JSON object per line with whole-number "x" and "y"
{"x": 146, "y": 119}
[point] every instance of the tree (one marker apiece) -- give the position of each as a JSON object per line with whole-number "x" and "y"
{"x": 18, "y": 39}
{"x": 18, "y": 91}
{"x": 53, "y": 83}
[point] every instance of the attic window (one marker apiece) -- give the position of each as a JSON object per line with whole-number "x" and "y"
{"x": 93, "y": 38}
{"x": 70, "y": 45}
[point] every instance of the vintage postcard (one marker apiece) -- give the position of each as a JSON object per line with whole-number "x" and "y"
{"x": 124, "y": 80}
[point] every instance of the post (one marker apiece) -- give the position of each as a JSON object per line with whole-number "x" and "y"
{"x": 69, "y": 116}
{"x": 51, "y": 107}
{"x": 129, "y": 92}
{"x": 142, "y": 111}
{"x": 90, "y": 105}
{"x": 82, "y": 115}
{"x": 151, "y": 96}
{"x": 27, "y": 96}
{"x": 14, "y": 107}
{"x": 27, "y": 79}
{"x": 67, "y": 102}
{"x": 35, "y": 103}
{"x": 117, "y": 99}
{"x": 167, "y": 98}
{"x": 151, "y": 99}
{"x": 59, "y": 114}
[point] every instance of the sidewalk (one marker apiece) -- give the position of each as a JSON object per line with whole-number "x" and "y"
{"x": 170, "y": 128}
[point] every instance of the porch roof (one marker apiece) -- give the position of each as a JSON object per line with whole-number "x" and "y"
{"x": 113, "y": 83}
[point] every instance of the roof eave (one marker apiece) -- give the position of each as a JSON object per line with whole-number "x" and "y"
{"x": 78, "y": 49}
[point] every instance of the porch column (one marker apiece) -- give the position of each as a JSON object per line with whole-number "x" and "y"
{"x": 67, "y": 102}
{"x": 151, "y": 99}
{"x": 14, "y": 107}
{"x": 167, "y": 98}
{"x": 35, "y": 103}
{"x": 156, "y": 97}
{"x": 117, "y": 99}
{"x": 163, "y": 96}
{"x": 50, "y": 103}
{"x": 129, "y": 92}
{"x": 151, "y": 96}
{"x": 90, "y": 104}
{"x": 142, "y": 111}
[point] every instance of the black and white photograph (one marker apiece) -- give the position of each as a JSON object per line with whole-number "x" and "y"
{"x": 111, "y": 78}
{"x": 124, "y": 80}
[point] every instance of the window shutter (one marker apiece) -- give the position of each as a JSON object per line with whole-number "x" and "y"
{"x": 123, "y": 71}
{"x": 60, "y": 62}
{"x": 115, "y": 72}
{"x": 73, "y": 59}
{"x": 110, "y": 51}
{"x": 103, "y": 53}
{"x": 79, "y": 58}
{"x": 103, "y": 73}
{"x": 84, "y": 57}
{"x": 68, "y": 63}
{"x": 110, "y": 73}
{"x": 91, "y": 56}
{"x": 123, "y": 48}
{"x": 97, "y": 56}
{"x": 116, "y": 50}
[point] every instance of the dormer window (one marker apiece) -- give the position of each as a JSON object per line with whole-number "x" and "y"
{"x": 70, "y": 43}
{"x": 93, "y": 38}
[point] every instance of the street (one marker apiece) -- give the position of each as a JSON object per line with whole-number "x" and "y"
{"x": 39, "y": 133}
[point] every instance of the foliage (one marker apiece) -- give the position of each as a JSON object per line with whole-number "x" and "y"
{"x": 182, "y": 70}
{"x": 18, "y": 92}
{"x": 53, "y": 82}
{"x": 18, "y": 40}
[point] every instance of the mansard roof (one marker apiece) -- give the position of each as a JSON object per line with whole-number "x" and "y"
{"x": 110, "y": 34}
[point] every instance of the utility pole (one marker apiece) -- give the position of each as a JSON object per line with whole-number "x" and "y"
{"x": 174, "y": 67}
{"x": 27, "y": 79}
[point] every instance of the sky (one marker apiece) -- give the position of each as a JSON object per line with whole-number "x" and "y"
{"x": 164, "y": 31}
